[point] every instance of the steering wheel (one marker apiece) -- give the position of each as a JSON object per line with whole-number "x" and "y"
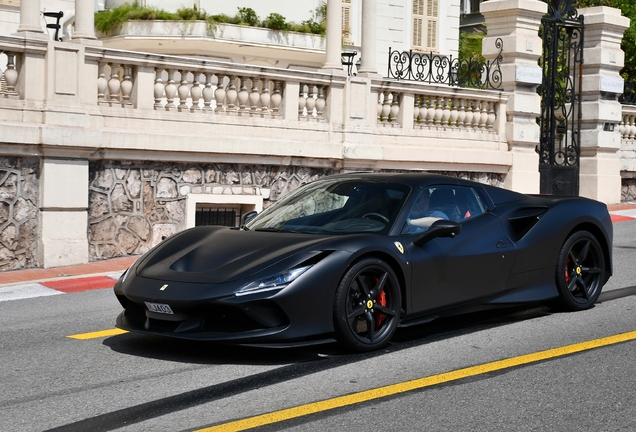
{"x": 376, "y": 216}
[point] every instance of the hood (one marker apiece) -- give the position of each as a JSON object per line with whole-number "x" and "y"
{"x": 218, "y": 254}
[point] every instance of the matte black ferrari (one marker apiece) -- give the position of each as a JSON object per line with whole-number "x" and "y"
{"x": 352, "y": 257}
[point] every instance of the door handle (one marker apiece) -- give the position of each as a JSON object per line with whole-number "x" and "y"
{"x": 502, "y": 244}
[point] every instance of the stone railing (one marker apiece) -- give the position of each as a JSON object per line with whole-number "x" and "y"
{"x": 455, "y": 111}
{"x": 180, "y": 84}
{"x": 124, "y": 101}
{"x": 627, "y": 129}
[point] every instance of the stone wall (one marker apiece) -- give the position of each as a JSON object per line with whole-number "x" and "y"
{"x": 135, "y": 205}
{"x": 628, "y": 188}
{"x": 19, "y": 196}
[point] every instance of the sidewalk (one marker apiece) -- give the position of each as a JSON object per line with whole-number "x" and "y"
{"x": 96, "y": 274}
{"x": 92, "y": 268}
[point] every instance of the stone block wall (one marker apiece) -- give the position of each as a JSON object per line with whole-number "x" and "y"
{"x": 19, "y": 197}
{"x": 628, "y": 188}
{"x": 134, "y": 205}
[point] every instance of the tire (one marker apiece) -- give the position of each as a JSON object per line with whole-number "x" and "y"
{"x": 367, "y": 306}
{"x": 580, "y": 271}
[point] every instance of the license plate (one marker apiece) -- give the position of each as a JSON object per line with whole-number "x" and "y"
{"x": 159, "y": 308}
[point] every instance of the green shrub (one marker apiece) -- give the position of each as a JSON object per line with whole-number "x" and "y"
{"x": 113, "y": 19}
{"x": 248, "y": 16}
{"x": 276, "y": 21}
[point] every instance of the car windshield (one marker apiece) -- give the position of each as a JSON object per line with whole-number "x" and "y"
{"x": 335, "y": 206}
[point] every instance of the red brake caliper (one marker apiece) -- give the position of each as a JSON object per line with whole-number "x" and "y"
{"x": 381, "y": 301}
{"x": 567, "y": 273}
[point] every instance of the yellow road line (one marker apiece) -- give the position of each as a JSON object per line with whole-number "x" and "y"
{"x": 97, "y": 334}
{"x": 390, "y": 390}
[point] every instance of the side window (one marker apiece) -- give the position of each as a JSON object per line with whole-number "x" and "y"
{"x": 456, "y": 203}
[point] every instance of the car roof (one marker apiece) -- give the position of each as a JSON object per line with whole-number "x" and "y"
{"x": 423, "y": 179}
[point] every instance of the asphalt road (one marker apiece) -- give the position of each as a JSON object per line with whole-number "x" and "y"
{"x": 139, "y": 383}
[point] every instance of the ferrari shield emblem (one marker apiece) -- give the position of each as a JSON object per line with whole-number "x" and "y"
{"x": 399, "y": 247}
{"x": 163, "y": 287}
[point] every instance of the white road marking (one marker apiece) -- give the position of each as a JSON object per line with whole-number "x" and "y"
{"x": 24, "y": 291}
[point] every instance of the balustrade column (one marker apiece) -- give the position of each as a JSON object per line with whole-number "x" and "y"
{"x": 265, "y": 99}
{"x": 126, "y": 87}
{"x": 219, "y": 95}
{"x": 195, "y": 91}
{"x": 183, "y": 91}
{"x": 10, "y": 75}
{"x": 208, "y": 93}
{"x": 114, "y": 84}
{"x": 277, "y": 98}
{"x": 170, "y": 90}
{"x": 254, "y": 97}
{"x": 158, "y": 89}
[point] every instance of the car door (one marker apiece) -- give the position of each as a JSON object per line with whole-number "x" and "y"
{"x": 472, "y": 265}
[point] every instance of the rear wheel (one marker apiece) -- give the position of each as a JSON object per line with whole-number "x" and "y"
{"x": 580, "y": 271}
{"x": 367, "y": 306}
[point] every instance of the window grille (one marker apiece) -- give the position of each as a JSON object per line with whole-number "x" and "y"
{"x": 223, "y": 216}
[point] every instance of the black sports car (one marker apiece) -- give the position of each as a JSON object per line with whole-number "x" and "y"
{"x": 354, "y": 256}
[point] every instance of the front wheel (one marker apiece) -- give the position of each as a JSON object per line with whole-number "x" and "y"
{"x": 367, "y": 306}
{"x": 580, "y": 271}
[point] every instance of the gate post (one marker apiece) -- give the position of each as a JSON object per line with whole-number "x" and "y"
{"x": 516, "y": 23}
{"x": 600, "y": 176}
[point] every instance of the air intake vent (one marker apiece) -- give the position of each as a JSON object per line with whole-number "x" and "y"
{"x": 524, "y": 219}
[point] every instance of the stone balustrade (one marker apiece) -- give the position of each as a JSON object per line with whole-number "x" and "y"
{"x": 440, "y": 109}
{"x": 8, "y": 74}
{"x": 192, "y": 85}
{"x": 627, "y": 128}
{"x": 627, "y": 153}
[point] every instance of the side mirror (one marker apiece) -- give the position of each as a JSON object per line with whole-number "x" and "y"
{"x": 248, "y": 217}
{"x": 440, "y": 228}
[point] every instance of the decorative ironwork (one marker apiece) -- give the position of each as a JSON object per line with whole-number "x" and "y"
{"x": 347, "y": 59}
{"x": 446, "y": 70}
{"x": 58, "y": 16}
{"x": 629, "y": 93}
{"x": 562, "y": 64}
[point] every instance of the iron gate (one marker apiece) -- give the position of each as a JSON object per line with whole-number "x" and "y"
{"x": 562, "y": 63}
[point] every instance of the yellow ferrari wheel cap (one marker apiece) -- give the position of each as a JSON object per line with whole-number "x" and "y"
{"x": 369, "y": 304}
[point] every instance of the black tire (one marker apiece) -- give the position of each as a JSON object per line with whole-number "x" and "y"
{"x": 367, "y": 306}
{"x": 580, "y": 271}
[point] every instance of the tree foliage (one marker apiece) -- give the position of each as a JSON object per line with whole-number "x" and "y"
{"x": 470, "y": 46}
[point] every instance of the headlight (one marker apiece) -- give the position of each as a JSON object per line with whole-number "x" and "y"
{"x": 130, "y": 269}
{"x": 125, "y": 275}
{"x": 276, "y": 282}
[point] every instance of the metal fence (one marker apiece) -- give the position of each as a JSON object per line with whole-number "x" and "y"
{"x": 445, "y": 70}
